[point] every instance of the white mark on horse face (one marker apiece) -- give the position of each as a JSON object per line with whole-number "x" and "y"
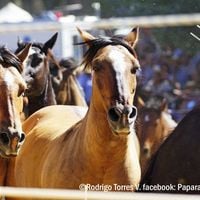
{"x": 118, "y": 59}
{"x": 31, "y": 51}
{"x": 9, "y": 80}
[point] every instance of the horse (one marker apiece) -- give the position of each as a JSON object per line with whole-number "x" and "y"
{"x": 64, "y": 149}
{"x": 12, "y": 87}
{"x": 39, "y": 91}
{"x": 154, "y": 126}
{"x": 177, "y": 162}
{"x": 69, "y": 91}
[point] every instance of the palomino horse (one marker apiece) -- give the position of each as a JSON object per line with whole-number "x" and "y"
{"x": 69, "y": 91}
{"x": 12, "y": 88}
{"x": 100, "y": 148}
{"x": 37, "y": 76}
{"x": 154, "y": 126}
{"x": 177, "y": 161}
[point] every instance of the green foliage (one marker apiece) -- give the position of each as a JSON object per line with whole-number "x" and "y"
{"x": 178, "y": 37}
{"x": 120, "y": 8}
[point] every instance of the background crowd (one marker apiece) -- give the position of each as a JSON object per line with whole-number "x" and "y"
{"x": 170, "y": 72}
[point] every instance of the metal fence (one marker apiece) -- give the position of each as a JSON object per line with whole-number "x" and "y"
{"x": 87, "y": 195}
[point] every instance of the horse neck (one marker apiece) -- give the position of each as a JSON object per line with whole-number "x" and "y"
{"x": 47, "y": 98}
{"x": 3, "y": 170}
{"x": 111, "y": 158}
{"x": 49, "y": 95}
{"x": 74, "y": 91}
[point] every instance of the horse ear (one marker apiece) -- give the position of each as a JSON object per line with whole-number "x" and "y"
{"x": 24, "y": 53}
{"x": 164, "y": 105}
{"x": 50, "y": 43}
{"x": 132, "y": 37}
{"x": 86, "y": 37}
{"x": 138, "y": 102}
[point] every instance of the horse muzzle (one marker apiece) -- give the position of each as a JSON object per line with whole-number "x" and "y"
{"x": 121, "y": 119}
{"x": 10, "y": 143}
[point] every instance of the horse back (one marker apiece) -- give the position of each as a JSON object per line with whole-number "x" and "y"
{"x": 55, "y": 116}
{"x": 42, "y": 129}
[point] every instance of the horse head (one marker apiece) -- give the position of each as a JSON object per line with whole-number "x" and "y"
{"x": 12, "y": 87}
{"x": 36, "y": 66}
{"x": 152, "y": 127}
{"x": 114, "y": 64}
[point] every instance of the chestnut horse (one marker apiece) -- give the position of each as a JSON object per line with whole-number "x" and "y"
{"x": 177, "y": 161}
{"x": 12, "y": 87}
{"x": 154, "y": 126}
{"x": 101, "y": 147}
{"x": 39, "y": 91}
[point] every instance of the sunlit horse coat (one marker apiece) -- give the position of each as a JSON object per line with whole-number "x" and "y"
{"x": 62, "y": 151}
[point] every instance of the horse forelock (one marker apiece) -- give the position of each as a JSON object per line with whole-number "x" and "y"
{"x": 22, "y": 45}
{"x": 98, "y": 43}
{"x": 36, "y": 56}
{"x": 7, "y": 58}
{"x": 36, "y": 50}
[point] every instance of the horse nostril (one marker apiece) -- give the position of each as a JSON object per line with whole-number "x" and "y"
{"x": 146, "y": 150}
{"x": 4, "y": 138}
{"x": 22, "y": 137}
{"x": 113, "y": 115}
{"x": 32, "y": 75}
{"x": 133, "y": 112}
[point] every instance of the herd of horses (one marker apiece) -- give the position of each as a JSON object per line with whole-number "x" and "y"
{"x": 117, "y": 139}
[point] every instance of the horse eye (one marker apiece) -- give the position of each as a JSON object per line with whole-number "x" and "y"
{"x": 134, "y": 70}
{"x": 21, "y": 92}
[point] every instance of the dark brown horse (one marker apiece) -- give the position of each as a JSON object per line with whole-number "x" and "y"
{"x": 154, "y": 126}
{"x": 37, "y": 76}
{"x": 62, "y": 151}
{"x": 12, "y": 87}
{"x": 177, "y": 161}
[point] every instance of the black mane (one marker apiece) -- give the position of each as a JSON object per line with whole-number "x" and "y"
{"x": 98, "y": 43}
{"x": 7, "y": 58}
{"x": 22, "y": 45}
